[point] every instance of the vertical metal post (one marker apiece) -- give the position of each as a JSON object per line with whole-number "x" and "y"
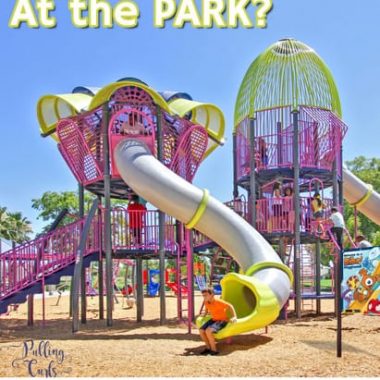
{"x": 318, "y": 274}
{"x": 179, "y": 230}
{"x": 30, "y": 309}
{"x": 252, "y": 167}
{"x": 279, "y": 143}
{"x": 100, "y": 265}
{"x": 107, "y": 214}
{"x": 71, "y": 296}
{"x": 355, "y": 222}
{"x": 234, "y": 163}
{"x": 335, "y": 184}
{"x": 140, "y": 289}
{"x": 161, "y": 226}
{"x": 43, "y": 301}
{"x": 339, "y": 263}
{"x": 297, "y": 235}
{"x": 338, "y": 304}
{"x": 190, "y": 281}
{"x": 83, "y": 269}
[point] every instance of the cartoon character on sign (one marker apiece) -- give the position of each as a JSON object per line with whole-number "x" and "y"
{"x": 366, "y": 287}
{"x": 374, "y": 307}
{"x": 352, "y": 283}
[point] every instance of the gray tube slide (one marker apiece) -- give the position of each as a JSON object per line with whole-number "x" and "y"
{"x": 180, "y": 199}
{"x": 354, "y": 190}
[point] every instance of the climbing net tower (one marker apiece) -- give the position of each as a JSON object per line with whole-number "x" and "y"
{"x": 288, "y": 148}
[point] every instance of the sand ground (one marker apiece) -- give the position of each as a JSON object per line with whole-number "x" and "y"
{"x": 305, "y": 347}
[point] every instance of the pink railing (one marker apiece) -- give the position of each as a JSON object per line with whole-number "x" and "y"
{"x": 274, "y": 215}
{"x": 36, "y": 259}
{"x": 39, "y": 258}
{"x": 139, "y": 230}
{"x": 320, "y": 138}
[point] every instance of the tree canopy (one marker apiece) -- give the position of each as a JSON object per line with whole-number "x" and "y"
{"x": 52, "y": 203}
{"x": 14, "y": 226}
{"x": 368, "y": 170}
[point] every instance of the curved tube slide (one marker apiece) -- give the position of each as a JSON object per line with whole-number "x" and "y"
{"x": 257, "y": 295}
{"x": 361, "y": 195}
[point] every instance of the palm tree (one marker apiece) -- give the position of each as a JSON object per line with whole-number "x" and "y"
{"x": 14, "y": 227}
{"x": 5, "y": 223}
{"x": 20, "y": 228}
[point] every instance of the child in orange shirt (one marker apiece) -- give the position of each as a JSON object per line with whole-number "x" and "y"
{"x": 218, "y": 310}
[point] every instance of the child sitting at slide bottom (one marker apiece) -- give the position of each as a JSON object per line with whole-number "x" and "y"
{"x": 218, "y": 310}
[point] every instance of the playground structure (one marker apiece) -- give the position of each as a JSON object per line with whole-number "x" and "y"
{"x": 126, "y": 139}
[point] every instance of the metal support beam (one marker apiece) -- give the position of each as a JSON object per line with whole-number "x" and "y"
{"x": 252, "y": 167}
{"x": 318, "y": 274}
{"x": 100, "y": 264}
{"x": 79, "y": 265}
{"x": 107, "y": 214}
{"x": 161, "y": 226}
{"x": 190, "y": 278}
{"x": 279, "y": 143}
{"x": 83, "y": 271}
{"x": 30, "y": 309}
{"x": 179, "y": 241}
{"x": 297, "y": 234}
{"x": 234, "y": 163}
{"x": 139, "y": 290}
{"x": 335, "y": 184}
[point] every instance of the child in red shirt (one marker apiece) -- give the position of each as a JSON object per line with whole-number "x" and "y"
{"x": 136, "y": 212}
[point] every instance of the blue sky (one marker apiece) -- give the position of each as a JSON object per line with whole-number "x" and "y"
{"x": 207, "y": 63}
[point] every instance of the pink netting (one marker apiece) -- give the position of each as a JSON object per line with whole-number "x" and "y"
{"x": 76, "y": 151}
{"x": 320, "y": 138}
{"x": 133, "y": 114}
{"x": 190, "y": 152}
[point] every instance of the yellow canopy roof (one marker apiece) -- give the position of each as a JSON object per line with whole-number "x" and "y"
{"x": 52, "y": 108}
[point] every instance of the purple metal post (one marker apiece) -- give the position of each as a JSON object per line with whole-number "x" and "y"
{"x": 190, "y": 288}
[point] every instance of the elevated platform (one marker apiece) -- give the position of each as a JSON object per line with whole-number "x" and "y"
{"x": 268, "y": 175}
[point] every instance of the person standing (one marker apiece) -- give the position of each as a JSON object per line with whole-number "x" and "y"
{"x": 317, "y": 207}
{"x": 338, "y": 225}
{"x": 136, "y": 212}
{"x": 277, "y": 207}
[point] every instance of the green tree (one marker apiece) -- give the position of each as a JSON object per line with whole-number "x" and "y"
{"x": 52, "y": 203}
{"x": 5, "y": 223}
{"x": 20, "y": 228}
{"x": 14, "y": 226}
{"x": 368, "y": 170}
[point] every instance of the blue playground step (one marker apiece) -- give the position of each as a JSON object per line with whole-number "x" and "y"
{"x": 52, "y": 279}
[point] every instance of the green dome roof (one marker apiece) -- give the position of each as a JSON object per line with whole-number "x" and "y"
{"x": 288, "y": 73}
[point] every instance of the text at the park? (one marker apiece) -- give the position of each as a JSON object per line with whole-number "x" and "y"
{"x": 126, "y": 13}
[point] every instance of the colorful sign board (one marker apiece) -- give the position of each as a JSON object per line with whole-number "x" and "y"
{"x": 361, "y": 281}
